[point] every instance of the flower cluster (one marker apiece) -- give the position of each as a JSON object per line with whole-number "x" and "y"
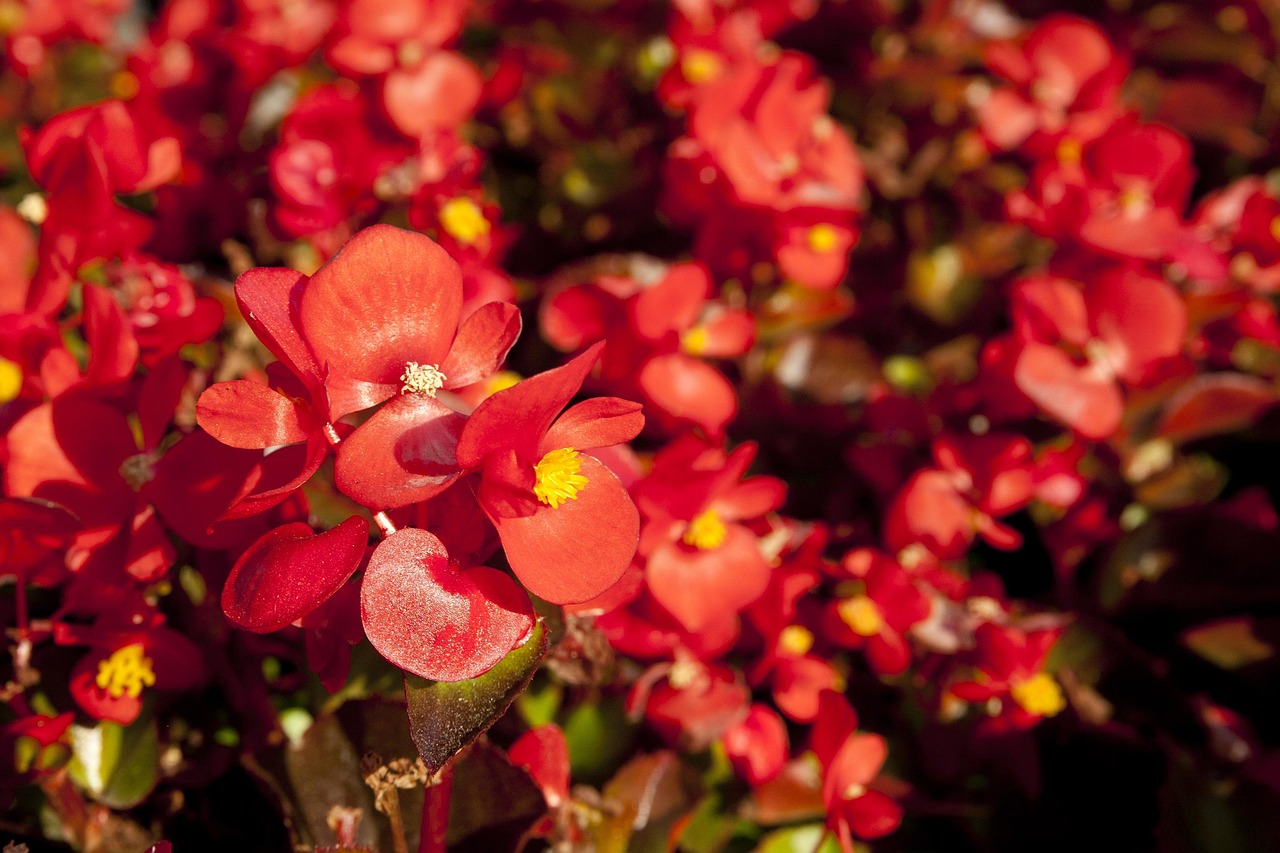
{"x": 892, "y": 444}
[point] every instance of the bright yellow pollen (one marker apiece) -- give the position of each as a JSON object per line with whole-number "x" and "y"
{"x": 464, "y": 221}
{"x": 695, "y": 340}
{"x": 127, "y": 671}
{"x": 1069, "y": 151}
{"x": 705, "y": 531}
{"x": 10, "y": 380}
{"x": 1275, "y": 229}
{"x": 861, "y": 615}
{"x": 422, "y": 379}
{"x": 12, "y": 16}
{"x": 501, "y": 381}
{"x": 700, "y": 66}
{"x": 823, "y": 238}
{"x": 558, "y": 477}
{"x": 795, "y": 640}
{"x": 1039, "y": 695}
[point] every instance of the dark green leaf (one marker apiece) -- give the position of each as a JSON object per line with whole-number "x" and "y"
{"x": 444, "y": 717}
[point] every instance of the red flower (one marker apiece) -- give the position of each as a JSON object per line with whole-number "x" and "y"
{"x": 567, "y": 525}
{"x": 879, "y": 617}
{"x": 701, "y": 564}
{"x": 1011, "y": 678}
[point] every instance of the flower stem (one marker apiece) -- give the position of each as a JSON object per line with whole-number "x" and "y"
{"x": 435, "y": 813}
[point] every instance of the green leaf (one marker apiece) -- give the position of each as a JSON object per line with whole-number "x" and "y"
{"x": 1228, "y": 643}
{"x": 445, "y": 717}
{"x": 799, "y": 839}
{"x": 599, "y": 736}
{"x": 117, "y": 765}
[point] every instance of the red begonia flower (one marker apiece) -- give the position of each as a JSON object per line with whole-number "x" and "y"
{"x": 567, "y": 525}
{"x": 544, "y": 752}
{"x": 434, "y": 618}
{"x": 758, "y": 746}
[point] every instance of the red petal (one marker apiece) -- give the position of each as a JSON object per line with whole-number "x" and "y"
{"x": 1141, "y": 319}
{"x": 673, "y": 304}
{"x": 857, "y": 763}
{"x": 691, "y": 390}
{"x": 598, "y": 422}
{"x": 401, "y": 455}
{"x": 483, "y": 341}
{"x": 1090, "y": 405}
{"x": 266, "y": 297}
{"x": 544, "y": 752}
{"x": 697, "y": 586}
{"x": 249, "y": 415}
{"x": 579, "y": 549}
{"x": 113, "y": 350}
{"x": 427, "y": 617}
{"x": 442, "y": 92}
{"x": 872, "y": 815}
{"x": 518, "y": 417}
{"x": 291, "y": 571}
{"x": 387, "y": 298}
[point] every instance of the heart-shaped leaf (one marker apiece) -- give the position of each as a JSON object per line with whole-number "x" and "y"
{"x": 291, "y": 571}
{"x": 445, "y": 717}
{"x": 434, "y": 619}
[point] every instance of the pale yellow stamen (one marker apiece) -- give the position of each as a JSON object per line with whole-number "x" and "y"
{"x": 1039, "y": 695}
{"x": 558, "y": 477}
{"x": 422, "y": 379}
{"x": 795, "y": 640}
{"x": 126, "y": 672}
{"x": 1069, "y": 151}
{"x": 861, "y": 615}
{"x": 823, "y": 238}
{"x": 464, "y": 221}
{"x": 33, "y": 208}
{"x": 705, "y": 531}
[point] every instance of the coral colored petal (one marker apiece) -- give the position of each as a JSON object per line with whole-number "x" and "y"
{"x": 673, "y": 304}
{"x": 579, "y": 549}
{"x": 483, "y": 341}
{"x": 1090, "y": 405}
{"x": 598, "y": 422}
{"x": 250, "y": 415}
{"x": 857, "y": 763}
{"x": 442, "y": 92}
{"x": 401, "y": 455}
{"x": 426, "y": 616}
{"x": 1139, "y": 317}
{"x": 519, "y": 416}
{"x": 291, "y": 571}
{"x": 387, "y": 298}
{"x": 751, "y": 498}
{"x": 696, "y": 586}
{"x": 873, "y": 815}
{"x": 544, "y": 752}
{"x": 690, "y": 390}
{"x": 267, "y": 298}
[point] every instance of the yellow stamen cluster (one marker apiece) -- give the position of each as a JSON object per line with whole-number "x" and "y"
{"x": 705, "y": 531}
{"x": 861, "y": 615}
{"x": 1069, "y": 151}
{"x": 700, "y": 66}
{"x": 126, "y": 672}
{"x": 795, "y": 640}
{"x": 463, "y": 220}
{"x": 10, "y": 380}
{"x": 422, "y": 379}
{"x": 823, "y": 238}
{"x": 1039, "y": 695}
{"x": 1275, "y": 229}
{"x": 558, "y": 477}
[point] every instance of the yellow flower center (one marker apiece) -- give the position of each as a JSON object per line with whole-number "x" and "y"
{"x": 558, "y": 477}
{"x": 33, "y": 208}
{"x": 695, "y": 340}
{"x": 10, "y": 380}
{"x": 861, "y": 615}
{"x": 12, "y": 16}
{"x": 700, "y": 66}
{"x": 464, "y": 221}
{"x": 1275, "y": 229}
{"x": 795, "y": 640}
{"x": 823, "y": 238}
{"x": 1039, "y": 695}
{"x": 422, "y": 379}
{"x": 1069, "y": 151}
{"x": 501, "y": 381}
{"x": 127, "y": 671}
{"x": 705, "y": 531}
